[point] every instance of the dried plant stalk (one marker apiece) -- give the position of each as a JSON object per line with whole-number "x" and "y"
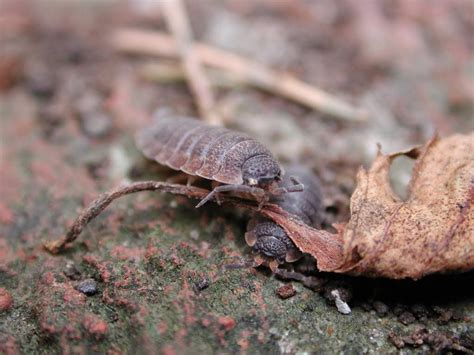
{"x": 99, "y": 204}
{"x": 280, "y": 83}
{"x": 178, "y": 23}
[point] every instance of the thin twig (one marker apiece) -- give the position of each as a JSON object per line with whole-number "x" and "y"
{"x": 172, "y": 72}
{"x": 178, "y": 23}
{"x": 160, "y": 44}
{"x": 99, "y": 204}
{"x": 325, "y": 247}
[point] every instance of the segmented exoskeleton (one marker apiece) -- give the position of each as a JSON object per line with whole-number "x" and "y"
{"x": 268, "y": 239}
{"x": 215, "y": 153}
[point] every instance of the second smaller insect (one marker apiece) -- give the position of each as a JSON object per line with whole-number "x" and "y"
{"x": 269, "y": 241}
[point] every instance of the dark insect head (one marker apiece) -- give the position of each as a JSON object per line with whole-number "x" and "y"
{"x": 261, "y": 171}
{"x": 271, "y": 241}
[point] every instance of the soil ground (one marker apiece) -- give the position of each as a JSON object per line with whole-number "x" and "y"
{"x": 70, "y": 105}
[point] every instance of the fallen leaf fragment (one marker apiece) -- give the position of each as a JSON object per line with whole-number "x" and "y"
{"x": 431, "y": 231}
{"x": 324, "y": 246}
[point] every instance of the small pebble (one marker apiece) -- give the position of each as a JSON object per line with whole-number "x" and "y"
{"x": 88, "y": 287}
{"x": 419, "y": 310}
{"x": 71, "y": 271}
{"x": 406, "y": 318}
{"x": 286, "y": 291}
{"x": 399, "y": 309}
{"x": 6, "y": 300}
{"x": 418, "y": 336}
{"x": 228, "y": 323}
{"x": 202, "y": 284}
{"x": 381, "y": 308}
{"x": 396, "y": 340}
{"x": 444, "y": 314}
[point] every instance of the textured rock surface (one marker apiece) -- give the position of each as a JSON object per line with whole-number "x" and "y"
{"x": 158, "y": 262}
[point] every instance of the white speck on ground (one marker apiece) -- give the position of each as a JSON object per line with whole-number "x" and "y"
{"x": 342, "y": 306}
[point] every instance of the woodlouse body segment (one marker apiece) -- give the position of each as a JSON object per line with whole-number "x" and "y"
{"x": 199, "y": 150}
{"x": 267, "y": 239}
{"x": 242, "y": 153}
{"x": 184, "y": 147}
{"x": 214, "y": 153}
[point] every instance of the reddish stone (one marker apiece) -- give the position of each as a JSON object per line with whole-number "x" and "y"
{"x": 6, "y": 300}
{"x": 286, "y": 291}
{"x": 227, "y": 322}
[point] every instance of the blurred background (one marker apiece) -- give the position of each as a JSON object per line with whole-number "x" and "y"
{"x": 407, "y": 64}
{"x": 73, "y": 94}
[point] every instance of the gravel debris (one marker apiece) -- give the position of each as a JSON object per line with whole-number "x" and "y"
{"x": 286, "y": 291}
{"x": 88, "y": 287}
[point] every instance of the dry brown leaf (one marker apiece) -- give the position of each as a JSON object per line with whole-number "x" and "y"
{"x": 325, "y": 247}
{"x": 431, "y": 231}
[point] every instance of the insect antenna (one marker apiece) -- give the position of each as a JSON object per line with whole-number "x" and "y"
{"x": 296, "y": 187}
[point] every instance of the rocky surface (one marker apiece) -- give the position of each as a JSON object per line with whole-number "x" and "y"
{"x": 157, "y": 266}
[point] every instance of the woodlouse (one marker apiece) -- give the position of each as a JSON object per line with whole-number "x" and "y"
{"x": 268, "y": 239}
{"x": 232, "y": 158}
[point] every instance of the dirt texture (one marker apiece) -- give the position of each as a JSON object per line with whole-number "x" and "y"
{"x": 152, "y": 273}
